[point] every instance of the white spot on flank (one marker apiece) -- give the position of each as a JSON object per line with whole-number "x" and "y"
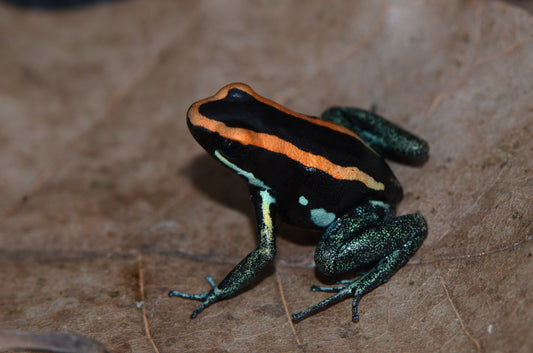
{"x": 321, "y": 217}
{"x": 303, "y": 201}
{"x": 377, "y": 203}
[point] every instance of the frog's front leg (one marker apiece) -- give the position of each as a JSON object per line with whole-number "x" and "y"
{"x": 250, "y": 267}
{"x": 367, "y": 235}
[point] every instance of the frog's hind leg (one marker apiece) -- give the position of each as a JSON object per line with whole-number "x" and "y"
{"x": 367, "y": 235}
{"x": 384, "y": 137}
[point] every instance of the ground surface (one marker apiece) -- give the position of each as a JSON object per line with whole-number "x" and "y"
{"x": 107, "y": 201}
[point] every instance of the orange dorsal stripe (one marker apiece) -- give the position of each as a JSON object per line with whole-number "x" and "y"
{"x": 277, "y": 145}
{"x": 223, "y": 93}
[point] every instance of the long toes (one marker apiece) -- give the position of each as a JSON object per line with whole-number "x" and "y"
{"x": 315, "y": 288}
{"x": 355, "y": 311}
{"x": 176, "y": 293}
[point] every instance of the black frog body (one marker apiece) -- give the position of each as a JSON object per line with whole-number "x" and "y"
{"x": 309, "y": 164}
{"x": 323, "y": 172}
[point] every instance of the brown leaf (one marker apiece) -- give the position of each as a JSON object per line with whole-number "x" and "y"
{"x": 107, "y": 201}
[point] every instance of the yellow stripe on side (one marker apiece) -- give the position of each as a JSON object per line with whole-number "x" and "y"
{"x": 277, "y": 145}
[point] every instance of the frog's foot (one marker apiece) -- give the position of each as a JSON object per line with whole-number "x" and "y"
{"x": 389, "y": 244}
{"x": 207, "y": 298}
{"x": 351, "y": 288}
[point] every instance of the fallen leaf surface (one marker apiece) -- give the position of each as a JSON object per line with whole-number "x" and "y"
{"x": 108, "y": 202}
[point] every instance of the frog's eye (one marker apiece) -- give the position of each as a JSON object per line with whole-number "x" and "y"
{"x": 237, "y": 95}
{"x": 232, "y": 149}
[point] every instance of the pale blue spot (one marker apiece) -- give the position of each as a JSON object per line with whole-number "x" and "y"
{"x": 321, "y": 217}
{"x": 303, "y": 201}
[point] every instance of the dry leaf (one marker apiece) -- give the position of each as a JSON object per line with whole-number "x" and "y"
{"x": 107, "y": 201}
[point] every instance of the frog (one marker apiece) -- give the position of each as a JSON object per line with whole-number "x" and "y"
{"x": 325, "y": 173}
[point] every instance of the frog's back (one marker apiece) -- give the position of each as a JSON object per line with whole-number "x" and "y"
{"x": 310, "y": 165}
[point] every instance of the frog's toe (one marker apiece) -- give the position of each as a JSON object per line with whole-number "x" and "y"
{"x": 207, "y": 298}
{"x": 177, "y": 293}
{"x": 202, "y": 296}
{"x": 342, "y": 293}
{"x": 200, "y": 308}
{"x": 355, "y": 305}
{"x": 342, "y": 284}
{"x": 335, "y": 289}
{"x": 346, "y": 289}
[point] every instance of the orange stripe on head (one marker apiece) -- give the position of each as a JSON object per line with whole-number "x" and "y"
{"x": 223, "y": 92}
{"x": 277, "y": 145}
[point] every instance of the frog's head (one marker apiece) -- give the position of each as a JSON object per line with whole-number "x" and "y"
{"x": 227, "y": 121}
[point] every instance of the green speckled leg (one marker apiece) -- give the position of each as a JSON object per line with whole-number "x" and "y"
{"x": 250, "y": 266}
{"x": 384, "y": 137}
{"x": 368, "y": 234}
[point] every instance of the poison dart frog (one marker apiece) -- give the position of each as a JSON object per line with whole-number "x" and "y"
{"x": 322, "y": 173}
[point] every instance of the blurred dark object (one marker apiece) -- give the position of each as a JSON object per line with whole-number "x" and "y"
{"x": 48, "y": 342}
{"x": 53, "y": 4}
